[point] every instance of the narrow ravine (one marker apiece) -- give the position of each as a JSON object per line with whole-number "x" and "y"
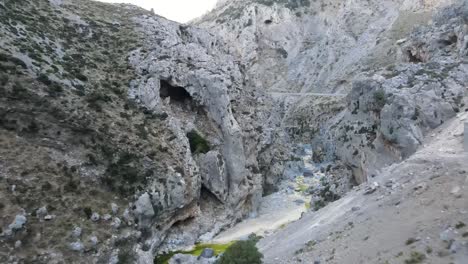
{"x": 285, "y": 206}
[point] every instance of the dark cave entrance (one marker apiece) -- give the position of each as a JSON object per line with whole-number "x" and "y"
{"x": 208, "y": 200}
{"x": 177, "y": 94}
{"x": 413, "y": 58}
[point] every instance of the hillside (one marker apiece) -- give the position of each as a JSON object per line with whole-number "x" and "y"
{"x": 333, "y": 129}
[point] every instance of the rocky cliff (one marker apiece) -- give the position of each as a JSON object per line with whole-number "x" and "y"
{"x": 362, "y": 82}
{"x": 123, "y": 134}
{"x": 118, "y": 126}
{"x": 314, "y": 46}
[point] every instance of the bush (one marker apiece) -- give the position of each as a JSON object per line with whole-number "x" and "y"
{"x": 241, "y": 252}
{"x": 54, "y": 89}
{"x": 4, "y": 78}
{"x": 126, "y": 256}
{"x": 197, "y": 143}
{"x": 88, "y": 212}
{"x": 380, "y": 98}
{"x": 43, "y": 78}
{"x": 415, "y": 258}
{"x": 19, "y": 91}
{"x": 14, "y": 60}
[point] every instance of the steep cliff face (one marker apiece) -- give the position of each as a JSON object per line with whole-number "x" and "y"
{"x": 314, "y": 46}
{"x": 123, "y": 134}
{"x": 117, "y": 125}
{"x": 362, "y": 81}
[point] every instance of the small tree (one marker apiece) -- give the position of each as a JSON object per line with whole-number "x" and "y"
{"x": 241, "y": 252}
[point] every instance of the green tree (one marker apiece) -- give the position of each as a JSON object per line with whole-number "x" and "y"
{"x": 241, "y": 252}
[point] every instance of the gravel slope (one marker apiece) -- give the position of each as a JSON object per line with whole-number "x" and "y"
{"x": 413, "y": 212}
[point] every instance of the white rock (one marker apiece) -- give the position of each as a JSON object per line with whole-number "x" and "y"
{"x": 18, "y": 223}
{"x": 49, "y": 217}
{"x": 76, "y": 232}
{"x": 447, "y": 235}
{"x": 401, "y": 41}
{"x": 93, "y": 240}
{"x": 116, "y": 223}
{"x": 106, "y": 217}
{"x": 18, "y": 244}
{"x": 144, "y": 209}
{"x": 76, "y": 246}
{"x": 95, "y": 217}
{"x": 41, "y": 212}
{"x": 456, "y": 191}
{"x": 115, "y": 208}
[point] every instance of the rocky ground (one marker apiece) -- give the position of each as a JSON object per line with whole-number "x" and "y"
{"x": 414, "y": 211}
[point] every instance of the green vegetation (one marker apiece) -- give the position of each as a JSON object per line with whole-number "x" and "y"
{"x": 231, "y": 13}
{"x": 197, "y": 143}
{"x": 380, "y": 98}
{"x": 11, "y": 59}
{"x": 4, "y": 78}
{"x": 428, "y": 250}
{"x": 19, "y": 91}
{"x": 124, "y": 175}
{"x": 88, "y": 212}
{"x": 126, "y": 256}
{"x": 460, "y": 225}
{"x": 218, "y": 249}
{"x": 415, "y": 258}
{"x": 319, "y": 204}
{"x": 410, "y": 241}
{"x": 241, "y": 252}
{"x": 95, "y": 100}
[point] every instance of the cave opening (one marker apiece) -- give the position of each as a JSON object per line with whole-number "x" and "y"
{"x": 207, "y": 197}
{"x": 176, "y": 93}
{"x": 413, "y": 58}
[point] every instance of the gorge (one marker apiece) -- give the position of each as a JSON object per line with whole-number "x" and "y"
{"x": 333, "y": 130}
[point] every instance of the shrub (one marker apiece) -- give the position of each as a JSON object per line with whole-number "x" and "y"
{"x": 88, "y": 212}
{"x": 380, "y": 98}
{"x": 415, "y": 258}
{"x": 19, "y": 91}
{"x": 126, "y": 256}
{"x": 4, "y": 78}
{"x": 197, "y": 143}
{"x": 54, "y": 89}
{"x": 43, "y": 78}
{"x": 241, "y": 252}
{"x": 14, "y": 60}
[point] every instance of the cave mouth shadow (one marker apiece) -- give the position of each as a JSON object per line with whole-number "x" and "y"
{"x": 176, "y": 93}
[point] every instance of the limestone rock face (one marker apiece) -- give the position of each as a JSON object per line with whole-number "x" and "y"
{"x": 108, "y": 96}
{"x": 144, "y": 209}
{"x": 183, "y": 128}
{"x": 214, "y": 174}
{"x": 388, "y": 114}
{"x": 319, "y": 46}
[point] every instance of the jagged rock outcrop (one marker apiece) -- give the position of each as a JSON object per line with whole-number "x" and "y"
{"x": 388, "y": 114}
{"x": 107, "y": 106}
{"x": 314, "y": 46}
{"x": 397, "y": 86}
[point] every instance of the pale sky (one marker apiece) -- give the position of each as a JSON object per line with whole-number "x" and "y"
{"x": 177, "y": 10}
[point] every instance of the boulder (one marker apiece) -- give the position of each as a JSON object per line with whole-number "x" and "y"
{"x": 214, "y": 174}
{"x": 144, "y": 211}
{"x": 207, "y": 253}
